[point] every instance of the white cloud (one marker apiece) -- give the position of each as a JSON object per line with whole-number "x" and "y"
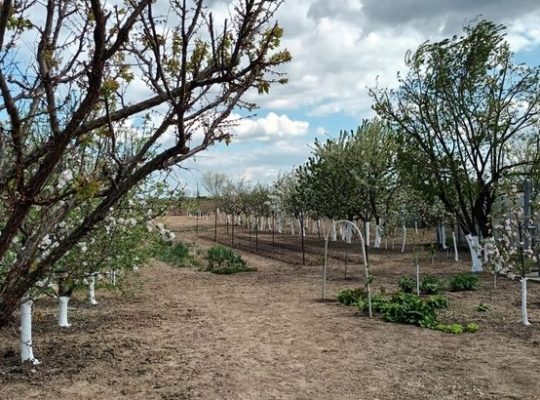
{"x": 244, "y": 161}
{"x": 342, "y": 48}
{"x": 269, "y": 128}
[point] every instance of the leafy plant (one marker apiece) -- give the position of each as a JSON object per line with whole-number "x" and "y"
{"x": 456, "y": 329}
{"x": 472, "y": 328}
{"x": 175, "y": 254}
{"x": 350, "y": 297}
{"x": 379, "y": 303}
{"x": 463, "y": 281}
{"x": 408, "y": 308}
{"x": 437, "y": 301}
{"x": 223, "y": 260}
{"x": 407, "y": 284}
{"x": 431, "y": 285}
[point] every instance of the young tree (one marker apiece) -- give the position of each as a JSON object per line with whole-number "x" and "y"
{"x": 214, "y": 183}
{"x": 463, "y": 104}
{"x": 290, "y": 197}
{"x": 96, "y": 70}
{"x": 258, "y": 203}
{"x": 354, "y": 176}
{"x": 233, "y": 201}
{"x": 329, "y": 178}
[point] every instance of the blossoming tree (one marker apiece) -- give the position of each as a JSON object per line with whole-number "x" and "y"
{"x": 134, "y": 87}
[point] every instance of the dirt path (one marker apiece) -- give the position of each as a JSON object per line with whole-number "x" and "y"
{"x": 184, "y": 334}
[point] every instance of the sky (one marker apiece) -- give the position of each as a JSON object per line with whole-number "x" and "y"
{"x": 340, "y": 49}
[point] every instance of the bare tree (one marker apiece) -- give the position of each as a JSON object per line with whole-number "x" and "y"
{"x": 109, "y": 94}
{"x": 214, "y": 183}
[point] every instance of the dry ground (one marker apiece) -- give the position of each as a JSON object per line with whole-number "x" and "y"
{"x": 183, "y": 334}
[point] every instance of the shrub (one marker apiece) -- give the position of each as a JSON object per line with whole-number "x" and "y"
{"x": 408, "y": 308}
{"x": 350, "y": 297}
{"x": 431, "y": 285}
{"x": 362, "y": 304}
{"x": 175, "y": 254}
{"x": 437, "y": 301}
{"x": 378, "y": 303}
{"x": 463, "y": 281}
{"x": 223, "y": 260}
{"x": 407, "y": 284}
{"x": 405, "y": 308}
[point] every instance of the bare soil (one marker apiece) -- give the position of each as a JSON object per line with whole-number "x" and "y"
{"x": 178, "y": 333}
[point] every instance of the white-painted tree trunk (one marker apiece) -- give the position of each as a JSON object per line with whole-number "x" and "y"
{"x": 443, "y": 237}
{"x": 524, "y": 314}
{"x": 333, "y": 233}
{"x": 342, "y": 228}
{"x": 348, "y": 233}
{"x": 416, "y": 227}
{"x": 323, "y": 288}
{"x": 63, "y": 312}
{"x": 292, "y": 227}
{"x": 476, "y": 252}
{"x": 279, "y": 225}
{"x": 378, "y": 237}
{"x": 368, "y": 237}
{"x": 27, "y": 354}
{"x": 404, "y": 239}
{"x": 92, "y": 290}
{"x": 456, "y": 254}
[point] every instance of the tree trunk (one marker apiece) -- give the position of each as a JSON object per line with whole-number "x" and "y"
{"x": 63, "y": 302}
{"x": 378, "y": 236}
{"x": 273, "y": 227}
{"x": 443, "y": 237}
{"x": 27, "y": 353}
{"x": 92, "y": 291}
{"x": 346, "y": 257}
{"x": 333, "y": 234}
{"x": 256, "y": 234}
{"x": 215, "y": 226}
{"x": 367, "y": 233}
{"x": 232, "y": 231}
{"x": 476, "y": 252}
{"x": 302, "y": 238}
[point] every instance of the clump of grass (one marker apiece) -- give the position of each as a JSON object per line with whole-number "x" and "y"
{"x": 223, "y": 260}
{"x": 463, "y": 281}
{"x": 175, "y": 254}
